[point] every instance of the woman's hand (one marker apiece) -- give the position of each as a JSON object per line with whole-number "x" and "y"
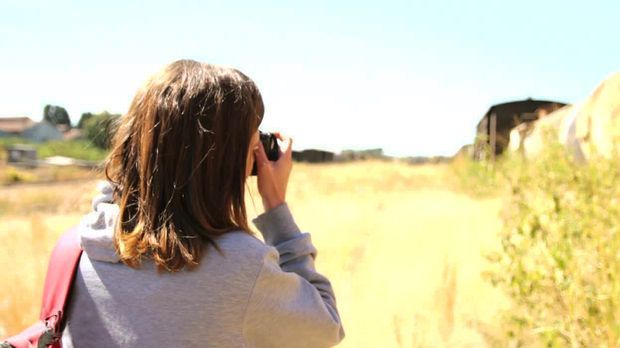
{"x": 272, "y": 177}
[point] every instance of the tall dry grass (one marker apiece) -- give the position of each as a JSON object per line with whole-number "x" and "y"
{"x": 31, "y": 219}
{"x": 403, "y": 249}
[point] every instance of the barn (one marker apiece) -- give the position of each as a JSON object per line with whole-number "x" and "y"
{"x": 585, "y": 129}
{"x": 493, "y": 130}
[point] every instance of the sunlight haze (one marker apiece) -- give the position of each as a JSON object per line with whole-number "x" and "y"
{"x": 411, "y": 77}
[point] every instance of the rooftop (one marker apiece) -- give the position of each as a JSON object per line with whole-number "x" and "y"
{"x": 15, "y": 124}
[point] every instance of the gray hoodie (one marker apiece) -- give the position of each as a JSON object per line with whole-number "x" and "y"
{"x": 255, "y": 294}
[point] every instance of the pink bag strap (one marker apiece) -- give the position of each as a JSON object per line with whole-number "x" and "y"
{"x": 60, "y": 273}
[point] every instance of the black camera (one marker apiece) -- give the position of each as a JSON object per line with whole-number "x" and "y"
{"x": 272, "y": 149}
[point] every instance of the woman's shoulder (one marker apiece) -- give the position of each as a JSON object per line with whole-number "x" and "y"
{"x": 239, "y": 257}
{"x": 244, "y": 244}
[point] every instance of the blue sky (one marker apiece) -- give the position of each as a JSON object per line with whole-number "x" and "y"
{"x": 412, "y": 77}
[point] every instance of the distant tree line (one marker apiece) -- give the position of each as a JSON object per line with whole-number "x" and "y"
{"x": 98, "y": 128}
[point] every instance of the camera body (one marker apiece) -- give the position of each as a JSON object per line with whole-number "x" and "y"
{"x": 270, "y": 144}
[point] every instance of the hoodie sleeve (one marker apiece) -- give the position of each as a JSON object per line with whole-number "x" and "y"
{"x": 291, "y": 305}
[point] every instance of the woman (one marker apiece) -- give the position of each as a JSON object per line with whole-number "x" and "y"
{"x": 169, "y": 259}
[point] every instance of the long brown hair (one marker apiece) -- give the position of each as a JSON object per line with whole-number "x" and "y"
{"x": 178, "y": 163}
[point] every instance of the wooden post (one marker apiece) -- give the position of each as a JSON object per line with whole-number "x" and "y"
{"x": 493, "y": 134}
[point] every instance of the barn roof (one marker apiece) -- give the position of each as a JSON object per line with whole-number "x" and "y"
{"x": 15, "y": 124}
{"x": 507, "y": 116}
{"x": 524, "y": 102}
{"x": 525, "y": 105}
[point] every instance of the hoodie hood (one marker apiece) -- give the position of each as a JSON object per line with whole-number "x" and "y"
{"x": 97, "y": 227}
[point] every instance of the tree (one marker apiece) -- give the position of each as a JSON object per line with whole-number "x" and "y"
{"x": 56, "y": 115}
{"x": 85, "y": 117}
{"x": 99, "y": 128}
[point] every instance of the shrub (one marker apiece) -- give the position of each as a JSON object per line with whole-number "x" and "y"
{"x": 100, "y": 128}
{"x": 13, "y": 175}
{"x": 560, "y": 257}
{"x": 477, "y": 178}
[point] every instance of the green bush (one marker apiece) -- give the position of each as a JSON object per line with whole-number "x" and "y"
{"x": 560, "y": 257}
{"x": 477, "y": 178}
{"x": 100, "y": 128}
{"x": 483, "y": 178}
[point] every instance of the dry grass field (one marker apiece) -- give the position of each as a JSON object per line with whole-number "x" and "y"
{"x": 403, "y": 249}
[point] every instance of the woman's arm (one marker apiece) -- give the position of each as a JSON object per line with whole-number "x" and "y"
{"x": 291, "y": 305}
